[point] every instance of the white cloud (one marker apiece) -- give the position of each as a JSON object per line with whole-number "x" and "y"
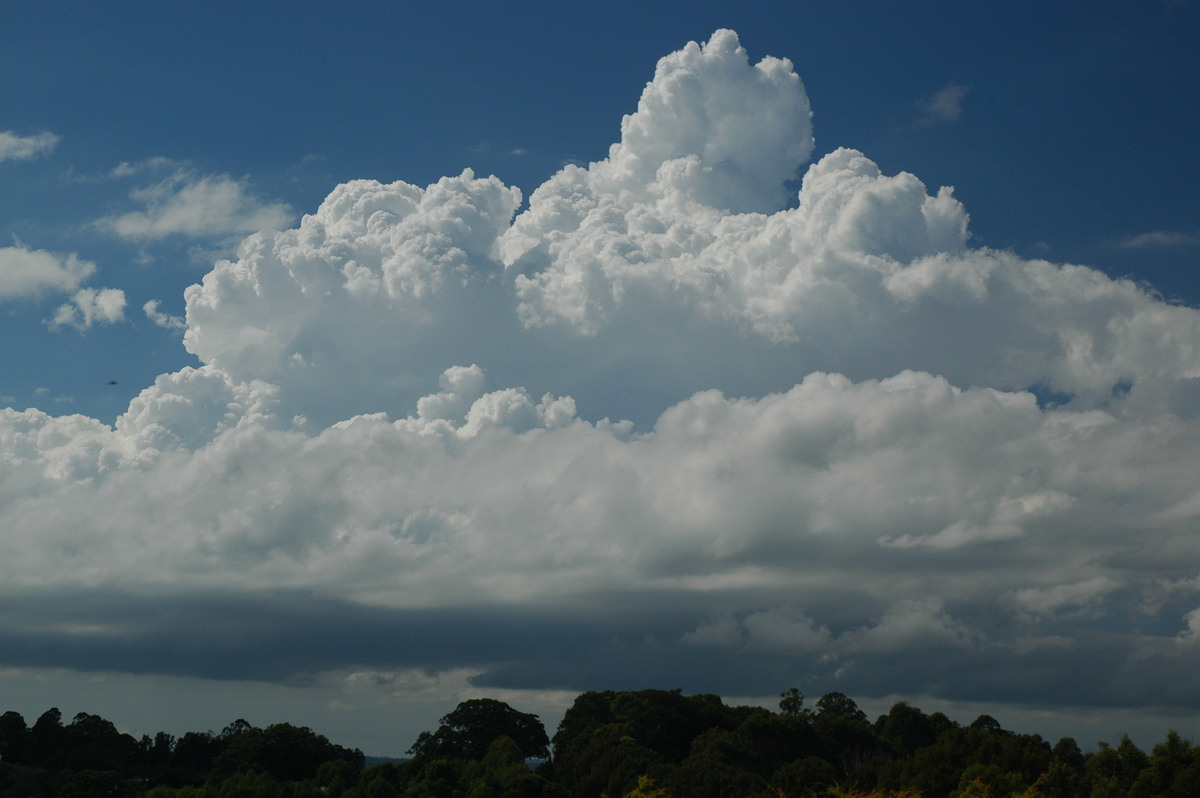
{"x": 29, "y": 272}
{"x": 721, "y": 484}
{"x": 835, "y": 465}
{"x": 871, "y": 274}
{"x": 195, "y": 206}
{"x": 373, "y": 282}
{"x": 190, "y": 407}
{"x": 714, "y": 129}
{"x": 91, "y": 306}
{"x": 165, "y": 320}
{"x": 19, "y": 148}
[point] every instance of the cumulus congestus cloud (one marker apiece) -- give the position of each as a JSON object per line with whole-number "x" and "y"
{"x": 810, "y": 439}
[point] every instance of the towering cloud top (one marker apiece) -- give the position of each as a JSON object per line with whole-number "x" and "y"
{"x": 714, "y": 129}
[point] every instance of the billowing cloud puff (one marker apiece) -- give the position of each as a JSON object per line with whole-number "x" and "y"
{"x": 870, "y": 274}
{"x": 190, "y": 407}
{"x": 361, "y": 307}
{"x": 710, "y": 128}
{"x": 360, "y": 294}
{"x": 28, "y": 273}
{"x": 758, "y": 525}
{"x": 182, "y": 410}
{"x": 655, "y": 412}
{"x": 91, "y": 306}
{"x": 40, "y": 451}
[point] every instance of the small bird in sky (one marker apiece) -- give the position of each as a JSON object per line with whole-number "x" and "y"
{"x": 111, "y": 382}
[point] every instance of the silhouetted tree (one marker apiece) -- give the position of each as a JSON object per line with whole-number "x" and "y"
{"x": 791, "y": 702}
{"x": 191, "y": 759}
{"x": 844, "y": 733}
{"x": 1172, "y": 772}
{"x": 468, "y": 731}
{"x": 14, "y": 736}
{"x": 905, "y": 729}
{"x": 287, "y": 753}
{"x": 48, "y": 741}
{"x": 95, "y": 744}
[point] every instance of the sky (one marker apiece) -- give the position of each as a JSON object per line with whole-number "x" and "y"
{"x": 357, "y": 361}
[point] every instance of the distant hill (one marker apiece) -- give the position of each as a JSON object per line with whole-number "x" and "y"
{"x": 371, "y": 761}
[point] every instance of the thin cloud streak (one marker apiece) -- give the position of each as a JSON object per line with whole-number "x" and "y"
{"x": 1161, "y": 238}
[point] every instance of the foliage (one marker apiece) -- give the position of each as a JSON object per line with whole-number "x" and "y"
{"x": 634, "y": 744}
{"x": 1173, "y": 770}
{"x": 282, "y": 751}
{"x": 469, "y": 730}
{"x": 1112, "y": 771}
{"x": 608, "y": 740}
{"x": 647, "y": 788}
{"x": 791, "y": 702}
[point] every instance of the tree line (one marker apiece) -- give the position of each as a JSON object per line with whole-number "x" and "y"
{"x": 610, "y": 744}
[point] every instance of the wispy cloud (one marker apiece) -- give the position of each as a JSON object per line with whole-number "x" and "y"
{"x": 161, "y": 319}
{"x": 194, "y": 206}
{"x": 19, "y": 148}
{"x": 944, "y": 106}
{"x": 1161, "y": 239}
{"x": 156, "y": 164}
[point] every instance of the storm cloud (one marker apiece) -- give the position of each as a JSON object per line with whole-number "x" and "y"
{"x": 657, "y": 424}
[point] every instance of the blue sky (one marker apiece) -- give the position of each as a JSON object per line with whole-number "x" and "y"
{"x": 676, "y": 402}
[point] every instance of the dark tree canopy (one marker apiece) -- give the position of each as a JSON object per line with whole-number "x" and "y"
{"x": 13, "y": 734}
{"x": 839, "y": 705}
{"x": 468, "y": 731}
{"x": 284, "y": 751}
{"x": 791, "y": 702}
{"x": 623, "y": 744}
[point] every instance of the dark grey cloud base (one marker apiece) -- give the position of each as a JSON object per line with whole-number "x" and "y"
{"x": 292, "y": 637}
